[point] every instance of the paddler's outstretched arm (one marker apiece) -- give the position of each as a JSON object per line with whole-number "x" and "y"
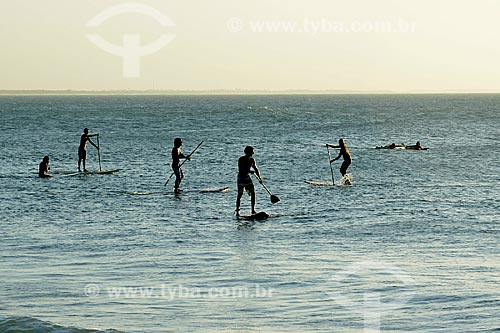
{"x": 336, "y": 158}
{"x": 92, "y": 143}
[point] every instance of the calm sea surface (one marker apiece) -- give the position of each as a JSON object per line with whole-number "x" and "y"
{"x": 411, "y": 246}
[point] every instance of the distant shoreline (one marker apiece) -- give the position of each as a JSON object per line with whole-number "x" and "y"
{"x": 225, "y": 92}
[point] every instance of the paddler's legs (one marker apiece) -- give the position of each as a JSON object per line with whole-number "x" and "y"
{"x": 178, "y": 178}
{"x": 252, "y": 196}
{"x": 241, "y": 189}
{"x": 82, "y": 155}
{"x": 343, "y": 168}
{"x": 238, "y": 203}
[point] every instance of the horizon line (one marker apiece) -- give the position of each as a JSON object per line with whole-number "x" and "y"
{"x": 233, "y": 92}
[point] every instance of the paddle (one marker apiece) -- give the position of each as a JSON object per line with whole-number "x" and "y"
{"x": 173, "y": 173}
{"x": 99, "y": 152}
{"x": 274, "y": 199}
{"x": 330, "y": 161}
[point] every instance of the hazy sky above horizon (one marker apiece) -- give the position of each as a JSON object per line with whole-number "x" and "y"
{"x": 401, "y": 46}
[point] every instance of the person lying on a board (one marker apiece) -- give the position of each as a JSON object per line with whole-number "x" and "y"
{"x": 176, "y": 166}
{"x": 392, "y": 146}
{"x": 246, "y": 166}
{"x": 43, "y": 168}
{"x": 344, "y": 152}
{"x": 416, "y": 146}
{"x": 82, "y": 149}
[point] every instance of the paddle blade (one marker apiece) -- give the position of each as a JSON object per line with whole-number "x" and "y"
{"x": 274, "y": 199}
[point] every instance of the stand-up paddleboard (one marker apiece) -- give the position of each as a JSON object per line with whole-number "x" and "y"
{"x": 143, "y": 193}
{"x": 254, "y": 217}
{"x": 64, "y": 172}
{"x": 206, "y": 190}
{"x": 97, "y": 172}
{"x": 214, "y": 190}
{"x": 346, "y": 181}
{"x": 103, "y": 172}
{"x": 318, "y": 183}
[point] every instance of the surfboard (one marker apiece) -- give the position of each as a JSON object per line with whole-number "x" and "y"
{"x": 401, "y": 148}
{"x": 254, "y": 217}
{"x": 389, "y": 148}
{"x": 318, "y": 183}
{"x": 425, "y": 148}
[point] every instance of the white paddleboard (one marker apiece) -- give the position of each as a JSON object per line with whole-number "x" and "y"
{"x": 318, "y": 183}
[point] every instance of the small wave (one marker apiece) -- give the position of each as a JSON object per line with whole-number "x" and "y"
{"x": 32, "y": 325}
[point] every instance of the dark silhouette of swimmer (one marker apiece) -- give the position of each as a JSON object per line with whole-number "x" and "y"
{"x": 246, "y": 167}
{"x": 43, "y": 168}
{"x": 344, "y": 152}
{"x": 176, "y": 167}
{"x": 82, "y": 149}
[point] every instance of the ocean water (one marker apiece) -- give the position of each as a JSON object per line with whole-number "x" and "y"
{"x": 410, "y": 246}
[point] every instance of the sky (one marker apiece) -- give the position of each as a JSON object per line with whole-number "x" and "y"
{"x": 355, "y": 45}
